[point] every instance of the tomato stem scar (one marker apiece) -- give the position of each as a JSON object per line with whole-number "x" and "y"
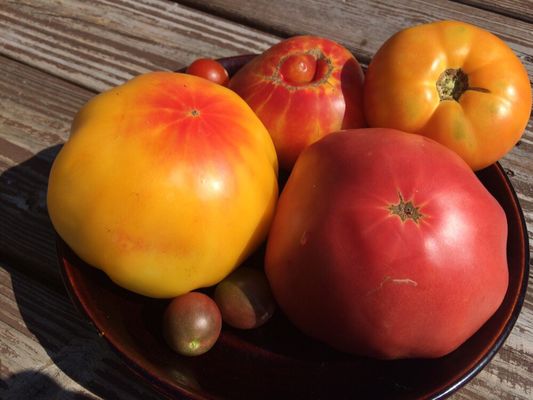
{"x": 195, "y": 112}
{"x": 194, "y": 344}
{"x": 453, "y": 82}
{"x": 406, "y": 210}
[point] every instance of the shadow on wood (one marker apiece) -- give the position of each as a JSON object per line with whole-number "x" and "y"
{"x": 81, "y": 361}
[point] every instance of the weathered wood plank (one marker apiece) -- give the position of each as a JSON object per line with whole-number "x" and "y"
{"x": 43, "y": 342}
{"x": 363, "y": 26}
{"x": 35, "y": 115}
{"x": 99, "y": 44}
{"x": 519, "y": 9}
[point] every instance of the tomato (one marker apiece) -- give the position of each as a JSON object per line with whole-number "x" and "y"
{"x": 192, "y": 324}
{"x": 209, "y": 69}
{"x": 155, "y": 173}
{"x": 386, "y": 244}
{"x": 245, "y": 299}
{"x": 298, "y": 69}
{"x": 302, "y": 89}
{"x": 453, "y": 82}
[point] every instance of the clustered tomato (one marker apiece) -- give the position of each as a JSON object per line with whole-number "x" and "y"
{"x": 192, "y": 322}
{"x": 382, "y": 243}
{"x": 413, "y": 267}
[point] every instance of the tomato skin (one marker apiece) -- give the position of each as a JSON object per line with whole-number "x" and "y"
{"x": 298, "y": 69}
{"x": 302, "y": 89}
{"x": 191, "y": 324}
{"x": 154, "y": 173}
{"x": 209, "y": 69}
{"x": 484, "y": 123}
{"x": 245, "y": 299}
{"x": 348, "y": 271}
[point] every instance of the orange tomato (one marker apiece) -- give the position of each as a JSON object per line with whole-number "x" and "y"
{"x": 453, "y": 82}
{"x": 166, "y": 183}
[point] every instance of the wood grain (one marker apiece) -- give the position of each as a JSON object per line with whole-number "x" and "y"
{"x": 363, "y": 26}
{"x": 35, "y": 120}
{"x": 99, "y": 44}
{"x": 43, "y": 343}
{"x": 519, "y": 9}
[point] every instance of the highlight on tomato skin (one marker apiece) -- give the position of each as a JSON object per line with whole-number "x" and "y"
{"x": 191, "y": 324}
{"x": 209, "y": 69}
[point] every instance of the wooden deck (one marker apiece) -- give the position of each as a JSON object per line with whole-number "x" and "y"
{"x": 55, "y": 55}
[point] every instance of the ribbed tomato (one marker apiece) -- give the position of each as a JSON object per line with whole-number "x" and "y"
{"x": 453, "y": 82}
{"x": 302, "y": 89}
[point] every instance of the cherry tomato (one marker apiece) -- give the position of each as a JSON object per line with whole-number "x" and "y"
{"x": 209, "y": 69}
{"x": 245, "y": 299}
{"x": 192, "y": 324}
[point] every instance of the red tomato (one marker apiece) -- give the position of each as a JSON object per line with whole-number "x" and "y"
{"x": 209, "y": 69}
{"x": 386, "y": 244}
{"x": 302, "y": 89}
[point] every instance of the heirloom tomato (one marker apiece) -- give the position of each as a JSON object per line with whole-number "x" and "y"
{"x": 302, "y": 88}
{"x": 386, "y": 244}
{"x": 453, "y": 82}
{"x": 167, "y": 183}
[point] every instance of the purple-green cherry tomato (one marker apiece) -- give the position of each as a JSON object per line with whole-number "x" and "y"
{"x": 244, "y": 298}
{"x": 192, "y": 324}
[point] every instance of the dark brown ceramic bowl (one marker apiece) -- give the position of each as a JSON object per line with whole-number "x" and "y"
{"x": 278, "y": 362}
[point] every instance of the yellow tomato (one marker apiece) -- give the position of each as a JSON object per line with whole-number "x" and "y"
{"x": 167, "y": 183}
{"x": 452, "y": 82}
